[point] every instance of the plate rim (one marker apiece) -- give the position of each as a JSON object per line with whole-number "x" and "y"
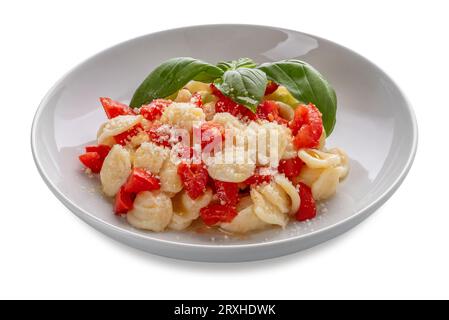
{"x": 325, "y": 232}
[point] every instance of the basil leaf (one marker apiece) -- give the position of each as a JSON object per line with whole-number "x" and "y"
{"x": 235, "y": 64}
{"x": 245, "y": 86}
{"x": 307, "y": 85}
{"x": 171, "y": 76}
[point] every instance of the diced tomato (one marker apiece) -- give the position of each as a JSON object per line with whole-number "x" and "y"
{"x": 271, "y": 87}
{"x": 306, "y": 126}
{"x": 102, "y": 150}
{"x": 258, "y": 178}
{"x": 307, "y": 209}
{"x": 216, "y": 92}
{"x": 237, "y": 110}
{"x": 269, "y": 110}
{"x": 290, "y": 167}
{"x": 123, "y": 201}
{"x": 196, "y": 99}
{"x": 161, "y": 135}
{"x": 194, "y": 177}
{"x": 92, "y": 160}
{"x": 124, "y": 137}
{"x": 215, "y": 213}
{"x": 227, "y": 192}
{"x": 154, "y": 110}
{"x": 226, "y": 104}
{"x": 212, "y": 132}
{"x": 115, "y": 108}
{"x": 141, "y": 180}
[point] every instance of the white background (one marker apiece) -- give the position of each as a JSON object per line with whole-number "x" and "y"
{"x": 402, "y": 251}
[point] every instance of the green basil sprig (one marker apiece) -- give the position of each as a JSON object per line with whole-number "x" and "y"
{"x": 307, "y": 85}
{"x": 245, "y": 86}
{"x": 171, "y": 76}
{"x": 235, "y": 64}
{"x": 242, "y": 81}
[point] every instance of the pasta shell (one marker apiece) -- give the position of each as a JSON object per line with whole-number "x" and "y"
{"x": 314, "y": 158}
{"x": 115, "y": 170}
{"x": 151, "y": 211}
{"x": 116, "y": 126}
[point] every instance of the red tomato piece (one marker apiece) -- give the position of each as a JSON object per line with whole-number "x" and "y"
{"x": 102, "y": 150}
{"x": 161, "y": 135}
{"x": 258, "y": 178}
{"x": 114, "y": 108}
{"x": 141, "y": 180}
{"x": 92, "y": 160}
{"x": 307, "y": 209}
{"x": 226, "y": 104}
{"x": 154, "y": 110}
{"x": 290, "y": 167}
{"x": 268, "y": 110}
{"x": 212, "y": 132}
{"x": 215, "y": 213}
{"x": 124, "y": 137}
{"x": 227, "y": 192}
{"x": 196, "y": 99}
{"x": 216, "y": 92}
{"x": 123, "y": 201}
{"x": 306, "y": 126}
{"x": 271, "y": 87}
{"x": 194, "y": 177}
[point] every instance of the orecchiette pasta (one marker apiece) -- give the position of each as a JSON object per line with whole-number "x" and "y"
{"x": 272, "y": 141}
{"x": 151, "y": 157}
{"x": 323, "y": 171}
{"x": 115, "y": 170}
{"x": 116, "y": 126}
{"x": 267, "y": 211}
{"x": 318, "y": 159}
{"x": 229, "y": 121}
{"x": 196, "y": 86}
{"x": 344, "y": 161}
{"x": 275, "y": 200}
{"x": 186, "y": 209}
{"x": 220, "y": 169}
{"x": 184, "y": 95}
{"x": 151, "y": 211}
{"x": 246, "y": 220}
{"x": 170, "y": 180}
{"x": 182, "y": 115}
{"x": 326, "y": 184}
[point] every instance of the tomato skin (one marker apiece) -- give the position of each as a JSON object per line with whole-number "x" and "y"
{"x": 290, "y": 167}
{"x": 215, "y": 213}
{"x": 216, "y": 92}
{"x": 227, "y": 192}
{"x": 194, "y": 177}
{"x": 212, "y": 132}
{"x": 196, "y": 99}
{"x": 226, "y": 104}
{"x": 271, "y": 87}
{"x": 92, "y": 160}
{"x": 154, "y": 110}
{"x": 141, "y": 180}
{"x": 102, "y": 150}
{"x": 306, "y": 126}
{"x": 114, "y": 108}
{"x": 258, "y": 178}
{"x": 160, "y": 135}
{"x": 124, "y": 137}
{"x": 307, "y": 209}
{"x": 123, "y": 201}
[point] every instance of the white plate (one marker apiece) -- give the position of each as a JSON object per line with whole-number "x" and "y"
{"x": 375, "y": 125}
